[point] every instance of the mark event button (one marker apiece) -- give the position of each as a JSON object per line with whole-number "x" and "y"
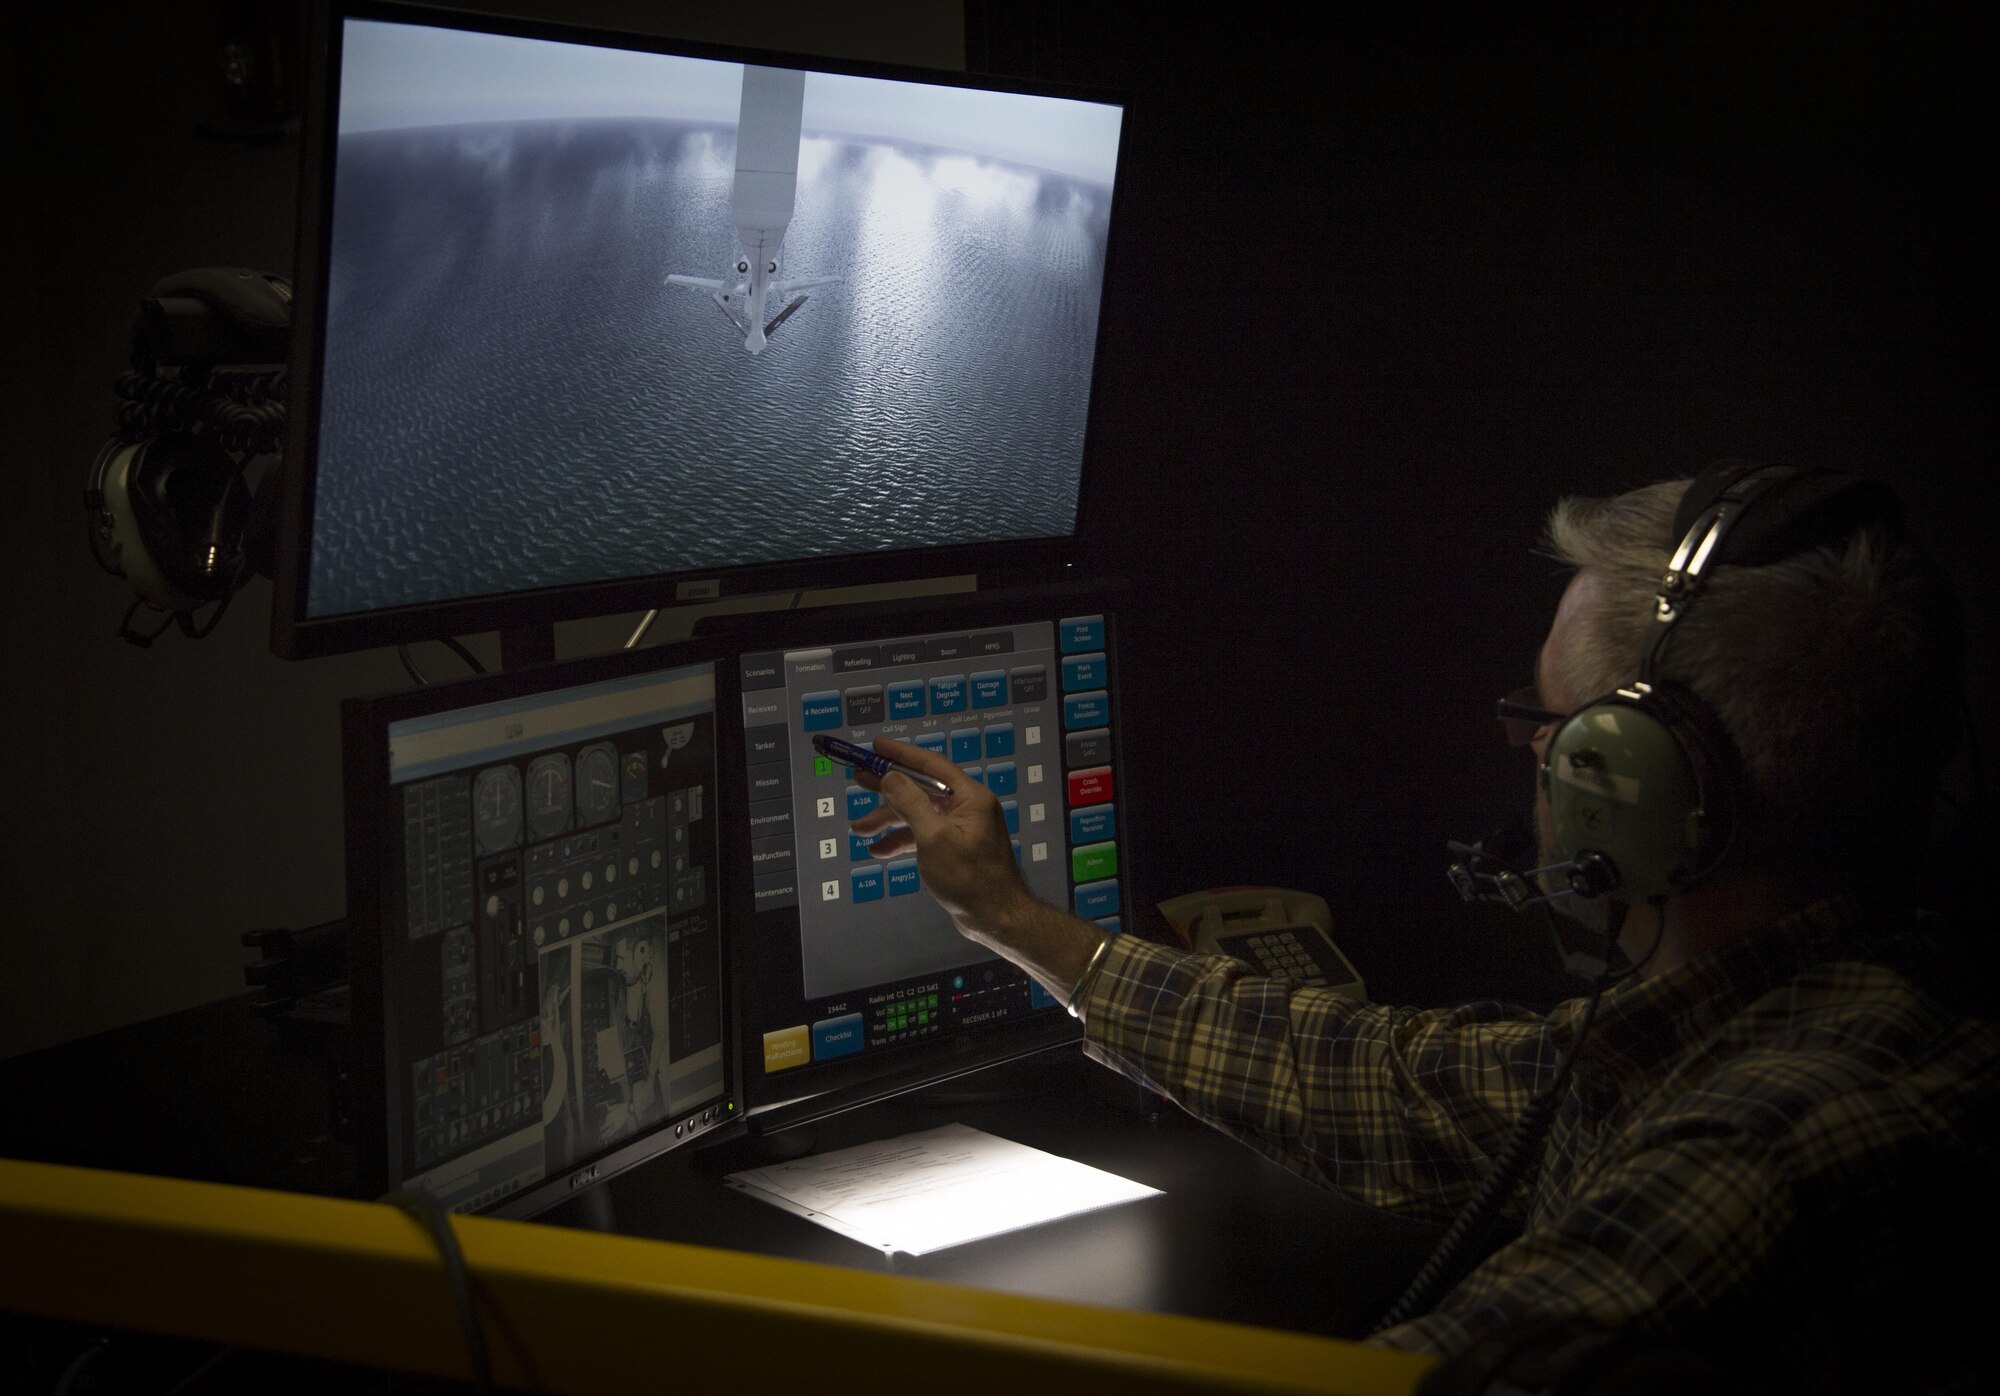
{"x": 1083, "y": 671}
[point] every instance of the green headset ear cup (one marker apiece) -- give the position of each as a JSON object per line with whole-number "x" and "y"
{"x": 1626, "y": 778}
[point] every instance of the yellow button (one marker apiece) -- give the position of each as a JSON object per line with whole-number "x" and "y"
{"x": 788, "y": 1047}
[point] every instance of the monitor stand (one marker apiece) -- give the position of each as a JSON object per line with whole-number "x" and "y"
{"x": 589, "y": 1210}
{"x": 758, "y": 1150}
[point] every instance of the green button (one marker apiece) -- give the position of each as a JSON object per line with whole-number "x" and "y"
{"x": 1093, "y": 861}
{"x": 822, "y": 765}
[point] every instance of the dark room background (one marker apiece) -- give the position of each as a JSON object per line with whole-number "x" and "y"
{"x": 1385, "y": 284}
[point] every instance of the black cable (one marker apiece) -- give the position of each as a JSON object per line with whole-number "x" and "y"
{"x": 449, "y": 642}
{"x": 430, "y": 1213}
{"x": 214, "y": 1360}
{"x": 1448, "y": 1262}
{"x": 462, "y": 652}
{"x": 410, "y": 667}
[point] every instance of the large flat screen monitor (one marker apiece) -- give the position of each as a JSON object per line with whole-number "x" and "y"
{"x": 591, "y": 322}
{"x": 852, "y": 983}
{"x": 535, "y": 894}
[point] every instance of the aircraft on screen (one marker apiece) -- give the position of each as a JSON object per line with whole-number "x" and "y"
{"x": 761, "y": 201}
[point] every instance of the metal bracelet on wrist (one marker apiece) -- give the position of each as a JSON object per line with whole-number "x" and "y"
{"x": 1082, "y": 984}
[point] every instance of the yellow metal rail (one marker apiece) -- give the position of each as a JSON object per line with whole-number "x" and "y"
{"x": 579, "y": 1312}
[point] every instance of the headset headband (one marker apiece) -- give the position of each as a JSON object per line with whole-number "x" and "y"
{"x": 1716, "y": 524}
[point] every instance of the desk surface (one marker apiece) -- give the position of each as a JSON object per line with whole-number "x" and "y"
{"x": 219, "y": 1095}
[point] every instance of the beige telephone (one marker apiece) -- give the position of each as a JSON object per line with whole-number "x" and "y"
{"x": 1280, "y": 931}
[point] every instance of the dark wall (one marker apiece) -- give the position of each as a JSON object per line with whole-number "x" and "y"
{"x": 1386, "y": 287}
{"x": 1384, "y": 290}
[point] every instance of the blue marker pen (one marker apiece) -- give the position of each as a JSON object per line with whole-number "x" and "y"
{"x": 848, "y": 754}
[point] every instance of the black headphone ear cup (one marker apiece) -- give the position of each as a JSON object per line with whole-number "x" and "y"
{"x": 188, "y": 505}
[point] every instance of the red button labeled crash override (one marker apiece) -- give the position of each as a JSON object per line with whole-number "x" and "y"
{"x": 1089, "y": 787}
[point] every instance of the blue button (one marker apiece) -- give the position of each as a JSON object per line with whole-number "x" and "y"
{"x": 989, "y": 689}
{"x": 1080, "y": 633}
{"x": 931, "y": 741}
{"x": 1001, "y": 778}
{"x": 857, "y": 847}
{"x": 964, "y": 745}
{"x": 906, "y": 699}
{"x": 1112, "y": 924}
{"x": 1000, "y": 740}
{"x": 1086, "y": 710}
{"x": 867, "y": 884}
{"x": 903, "y": 878}
{"x": 1093, "y": 824}
{"x": 860, "y": 801}
{"x": 837, "y": 1037}
{"x": 948, "y": 694}
{"x": 822, "y": 711}
{"x": 1038, "y": 997}
{"x": 1095, "y": 899}
{"x": 978, "y": 773}
{"x": 1016, "y": 844}
{"x": 1011, "y": 809}
{"x": 1083, "y": 671}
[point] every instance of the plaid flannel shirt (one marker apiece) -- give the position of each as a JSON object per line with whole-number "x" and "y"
{"x": 1774, "y": 1152}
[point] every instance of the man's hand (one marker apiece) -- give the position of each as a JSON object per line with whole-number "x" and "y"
{"x": 967, "y": 863}
{"x": 963, "y": 853}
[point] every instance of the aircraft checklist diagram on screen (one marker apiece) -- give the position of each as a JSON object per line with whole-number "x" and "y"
{"x": 546, "y": 968}
{"x": 749, "y": 313}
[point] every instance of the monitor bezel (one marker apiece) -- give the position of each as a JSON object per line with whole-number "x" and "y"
{"x": 766, "y": 1112}
{"x": 295, "y": 635}
{"x": 374, "y": 1104}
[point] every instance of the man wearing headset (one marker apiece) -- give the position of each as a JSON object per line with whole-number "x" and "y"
{"x": 1777, "y": 1135}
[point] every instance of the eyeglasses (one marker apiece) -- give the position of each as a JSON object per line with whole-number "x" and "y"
{"x": 1522, "y": 715}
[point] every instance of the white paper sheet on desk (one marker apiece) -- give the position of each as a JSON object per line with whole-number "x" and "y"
{"x": 941, "y": 1187}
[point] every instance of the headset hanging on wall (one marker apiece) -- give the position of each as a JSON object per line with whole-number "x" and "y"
{"x": 168, "y": 506}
